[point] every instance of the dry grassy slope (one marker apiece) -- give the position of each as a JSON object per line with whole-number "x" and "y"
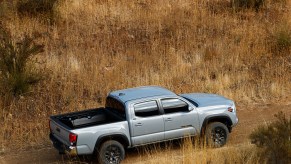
{"x": 187, "y": 46}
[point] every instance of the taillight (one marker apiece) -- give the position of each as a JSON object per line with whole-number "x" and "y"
{"x": 230, "y": 109}
{"x": 73, "y": 139}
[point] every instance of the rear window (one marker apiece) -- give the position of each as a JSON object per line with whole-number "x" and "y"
{"x": 146, "y": 109}
{"x": 115, "y": 106}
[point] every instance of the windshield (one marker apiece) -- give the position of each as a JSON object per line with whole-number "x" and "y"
{"x": 191, "y": 101}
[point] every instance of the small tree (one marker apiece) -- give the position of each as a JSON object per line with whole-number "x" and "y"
{"x": 274, "y": 140}
{"x": 17, "y": 66}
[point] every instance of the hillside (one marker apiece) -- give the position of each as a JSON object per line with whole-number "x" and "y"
{"x": 92, "y": 47}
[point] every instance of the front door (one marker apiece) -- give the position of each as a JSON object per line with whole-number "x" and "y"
{"x": 179, "y": 120}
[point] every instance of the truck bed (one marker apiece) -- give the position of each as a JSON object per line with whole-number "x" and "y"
{"x": 90, "y": 117}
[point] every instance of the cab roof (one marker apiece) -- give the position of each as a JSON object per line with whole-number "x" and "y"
{"x": 140, "y": 92}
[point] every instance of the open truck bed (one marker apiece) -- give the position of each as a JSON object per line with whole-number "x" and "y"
{"x": 90, "y": 117}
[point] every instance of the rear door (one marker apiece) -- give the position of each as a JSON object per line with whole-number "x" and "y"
{"x": 147, "y": 123}
{"x": 179, "y": 120}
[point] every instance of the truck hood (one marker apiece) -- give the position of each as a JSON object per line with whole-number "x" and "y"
{"x": 204, "y": 99}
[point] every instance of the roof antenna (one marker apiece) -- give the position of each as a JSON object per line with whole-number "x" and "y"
{"x": 121, "y": 94}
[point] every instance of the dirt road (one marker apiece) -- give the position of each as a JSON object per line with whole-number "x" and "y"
{"x": 249, "y": 118}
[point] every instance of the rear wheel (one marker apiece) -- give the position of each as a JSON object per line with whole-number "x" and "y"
{"x": 111, "y": 152}
{"x": 216, "y": 134}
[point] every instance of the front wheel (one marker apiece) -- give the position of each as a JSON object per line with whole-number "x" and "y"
{"x": 216, "y": 134}
{"x": 111, "y": 152}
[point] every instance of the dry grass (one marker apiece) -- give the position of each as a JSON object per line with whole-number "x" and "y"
{"x": 186, "y": 152}
{"x": 189, "y": 153}
{"x": 187, "y": 46}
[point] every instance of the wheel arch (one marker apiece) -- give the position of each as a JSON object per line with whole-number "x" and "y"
{"x": 121, "y": 138}
{"x": 217, "y": 118}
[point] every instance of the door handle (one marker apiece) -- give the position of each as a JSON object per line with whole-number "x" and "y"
{"x": 169, "y": 119}
{"x": 138, "y": 124}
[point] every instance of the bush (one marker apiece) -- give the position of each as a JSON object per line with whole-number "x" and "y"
{"x": 3, "y": 8}
{"x": 44, "y": 8}
{"x": 256, "y": 4}
{"x": 17, "y": 66}
{"x": 274, "y": 140}
{"x": 283, "y": 39}
{"x": 280, "y": 40}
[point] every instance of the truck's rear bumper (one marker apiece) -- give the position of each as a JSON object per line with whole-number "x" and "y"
{"x": 62, "y": 148}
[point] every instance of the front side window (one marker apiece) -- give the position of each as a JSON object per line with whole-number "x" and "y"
{"x": 146, "y": 109}
{"x": 174, "y": 105}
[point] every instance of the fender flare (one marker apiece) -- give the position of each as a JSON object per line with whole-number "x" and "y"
{"x": 225, "y": 119}
{"x": 117, "y": 136}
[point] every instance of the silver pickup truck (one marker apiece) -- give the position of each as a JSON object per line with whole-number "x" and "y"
{"x": 139, "y": 116}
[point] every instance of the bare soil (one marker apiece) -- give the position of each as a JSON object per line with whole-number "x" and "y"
{"x": 249, "y": 118}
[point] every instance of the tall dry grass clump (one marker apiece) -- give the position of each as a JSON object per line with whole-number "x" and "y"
{"x": 93, "y": 47}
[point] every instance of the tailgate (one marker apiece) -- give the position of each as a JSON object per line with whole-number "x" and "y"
{"x": 60, "y": 132}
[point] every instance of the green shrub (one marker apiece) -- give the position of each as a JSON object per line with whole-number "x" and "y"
{"x": 17, "y": 66}
{"x": 274, "y": 140}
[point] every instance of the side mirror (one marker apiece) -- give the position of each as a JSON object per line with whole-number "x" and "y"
{"x": 190, "y": 108}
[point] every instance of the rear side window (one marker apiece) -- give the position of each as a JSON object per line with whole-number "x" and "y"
{"x": 174, "y": 105}
{"x": 146, "y": 109}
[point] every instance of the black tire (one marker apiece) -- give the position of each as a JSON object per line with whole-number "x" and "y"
{"x": 111, "y": 152}
{"x": 216, "y": 134}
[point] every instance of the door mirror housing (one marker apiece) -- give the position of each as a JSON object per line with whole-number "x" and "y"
{"x": 191, "y": 108}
